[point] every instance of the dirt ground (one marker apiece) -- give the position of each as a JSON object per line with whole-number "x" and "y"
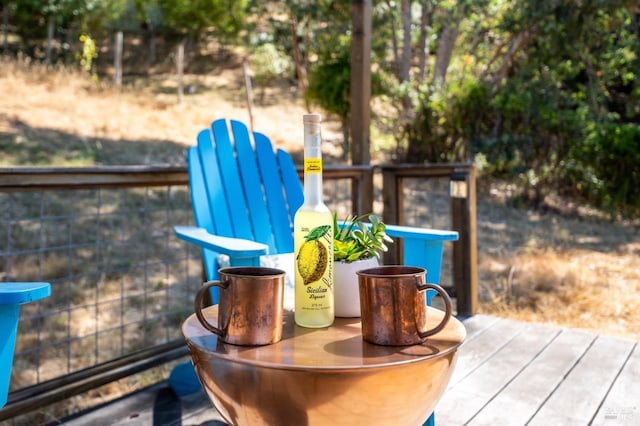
{"x": 576, "y": 270}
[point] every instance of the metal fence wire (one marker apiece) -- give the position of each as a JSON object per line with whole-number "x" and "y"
{"x": 121, "y": 281}
{"x": 428, "y": 205}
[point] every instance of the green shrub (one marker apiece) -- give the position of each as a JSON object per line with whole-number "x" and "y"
{"x": 447, "y": 121}
{"x": 268, "y": 64}
{"x": 605, "y": 167}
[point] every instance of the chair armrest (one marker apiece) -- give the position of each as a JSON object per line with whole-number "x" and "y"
{"x": 410, "y": 232}
{"x": 12, "y": 293}
{"x": 423, "y": 247}
{"x": 232, "y": 247}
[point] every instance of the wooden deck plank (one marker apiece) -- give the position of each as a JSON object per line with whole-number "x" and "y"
{"x": 522, "y": 397}
{"x": 483, "y": 345}
{"x": 622, "y": 404}
{"x": 466, "y": 398}
{"x": 579, "y": 395}
{"x": 477, "y": 324}
{"x": 156, "y": 405}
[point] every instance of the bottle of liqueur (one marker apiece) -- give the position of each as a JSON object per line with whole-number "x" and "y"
{"x": 313, "y": 239}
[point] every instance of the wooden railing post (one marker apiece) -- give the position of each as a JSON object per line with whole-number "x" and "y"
{"x": 362, "y": 192}
{"x": 392, "y": 200}
{"x": 465, "y": 250}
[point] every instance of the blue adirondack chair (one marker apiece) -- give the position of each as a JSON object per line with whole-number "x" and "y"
{"x": 12, "y": 295}
{"x": 244, "y": 198}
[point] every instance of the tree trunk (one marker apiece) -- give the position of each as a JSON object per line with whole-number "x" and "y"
{"x": 51, "y": 20}
{"x": 152, "y": 47}
{"x": 445, "y": 50}
{"x": 248, "y": 90}
{"x": 405, "y": 64}
{"x": 394, "y": 39}
{"x": 5, "y": 27}
{"x": 423, "y": 48}
{"x": 517, "y": 44}
{"x": 301, "y": 72}
{"x": 180, "y": 69}
{"x": 117, "y": 59}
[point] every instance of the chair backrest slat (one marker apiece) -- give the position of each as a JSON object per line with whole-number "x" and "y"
{"x": 291, "y": 181}
{"x": 201, "y": 210}
{"x": 232, "y": 183}
{"x": 253, "y": 187}
{"x": 213, "y": 182}
{"x": 274, "y": 189}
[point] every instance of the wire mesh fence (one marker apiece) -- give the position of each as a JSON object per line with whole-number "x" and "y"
{"x": 120, "y": 280}
{"x": 427, "y": 204}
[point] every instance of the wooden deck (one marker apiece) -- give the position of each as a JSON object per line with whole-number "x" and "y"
{"x": 514, "y": 373}
{"x": 508, "y": 373}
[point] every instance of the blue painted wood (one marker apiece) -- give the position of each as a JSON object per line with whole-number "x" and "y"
{"x": 292, "y": 184}
{"x": 233, "y": 247}
{"x": 201, "y": 210}
{"x": 281, "y": 219}
{"x": 232, "y": 190}
{"x": 214, "y": 188}
{"x": 421, "y": 233}
{"x": 20, "y": 293}
{"x": 252, "y": 185}
{"x": 12, "y": 295}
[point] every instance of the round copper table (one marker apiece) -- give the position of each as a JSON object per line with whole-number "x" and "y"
{"x": 324, "y": 376}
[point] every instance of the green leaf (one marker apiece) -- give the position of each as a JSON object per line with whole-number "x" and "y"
{"x": 317, "y": 232}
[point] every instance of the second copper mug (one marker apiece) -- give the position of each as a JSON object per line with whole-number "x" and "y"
{"x": 393, "y": 305}
{"x": 250, "y": 305}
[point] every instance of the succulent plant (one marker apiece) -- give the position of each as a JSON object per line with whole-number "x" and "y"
{"x": 354, "y": 240}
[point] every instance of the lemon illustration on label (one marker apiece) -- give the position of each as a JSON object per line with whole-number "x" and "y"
{"x": 313, "y": 257}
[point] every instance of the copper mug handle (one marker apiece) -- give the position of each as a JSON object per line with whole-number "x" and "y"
{"x": 198, "y": 304}
{"x": 447, "y": 306}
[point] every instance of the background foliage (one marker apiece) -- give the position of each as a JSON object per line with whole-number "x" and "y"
{"x": 543, "y": 93}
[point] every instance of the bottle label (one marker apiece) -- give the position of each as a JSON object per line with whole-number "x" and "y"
{"x": 313, "y": 165}
{"x": 314, "y": 269}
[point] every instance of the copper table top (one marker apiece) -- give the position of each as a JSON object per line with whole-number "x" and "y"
{"x": 339, "y": 346}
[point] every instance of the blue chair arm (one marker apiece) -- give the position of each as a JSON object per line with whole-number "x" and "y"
{"x": 409, "y": 232}
{"x": 236, "y": 248}
{"x": 12, "y": 295}
{"x": 423, "y": 247}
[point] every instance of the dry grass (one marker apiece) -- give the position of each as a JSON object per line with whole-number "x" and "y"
{"x": 578, "y": 271}
{"x": 62, "y": 117}
{"x": 575, "y": 271}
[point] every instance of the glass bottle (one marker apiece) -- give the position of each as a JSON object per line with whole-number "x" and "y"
{"x": 313, "y": 239}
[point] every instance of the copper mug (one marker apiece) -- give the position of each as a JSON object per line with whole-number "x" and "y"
{"x": 250, "y": 305}
{"x": 393, "y": 305}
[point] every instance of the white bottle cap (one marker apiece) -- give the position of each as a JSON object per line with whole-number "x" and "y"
{"x": 311, "y": 118}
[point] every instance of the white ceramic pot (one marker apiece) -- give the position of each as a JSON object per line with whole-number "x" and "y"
{"x": 346, "y": 292}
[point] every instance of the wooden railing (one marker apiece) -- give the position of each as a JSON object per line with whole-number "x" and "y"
{"x": 44, "y": 180}
{"x": 462, "y": 184}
